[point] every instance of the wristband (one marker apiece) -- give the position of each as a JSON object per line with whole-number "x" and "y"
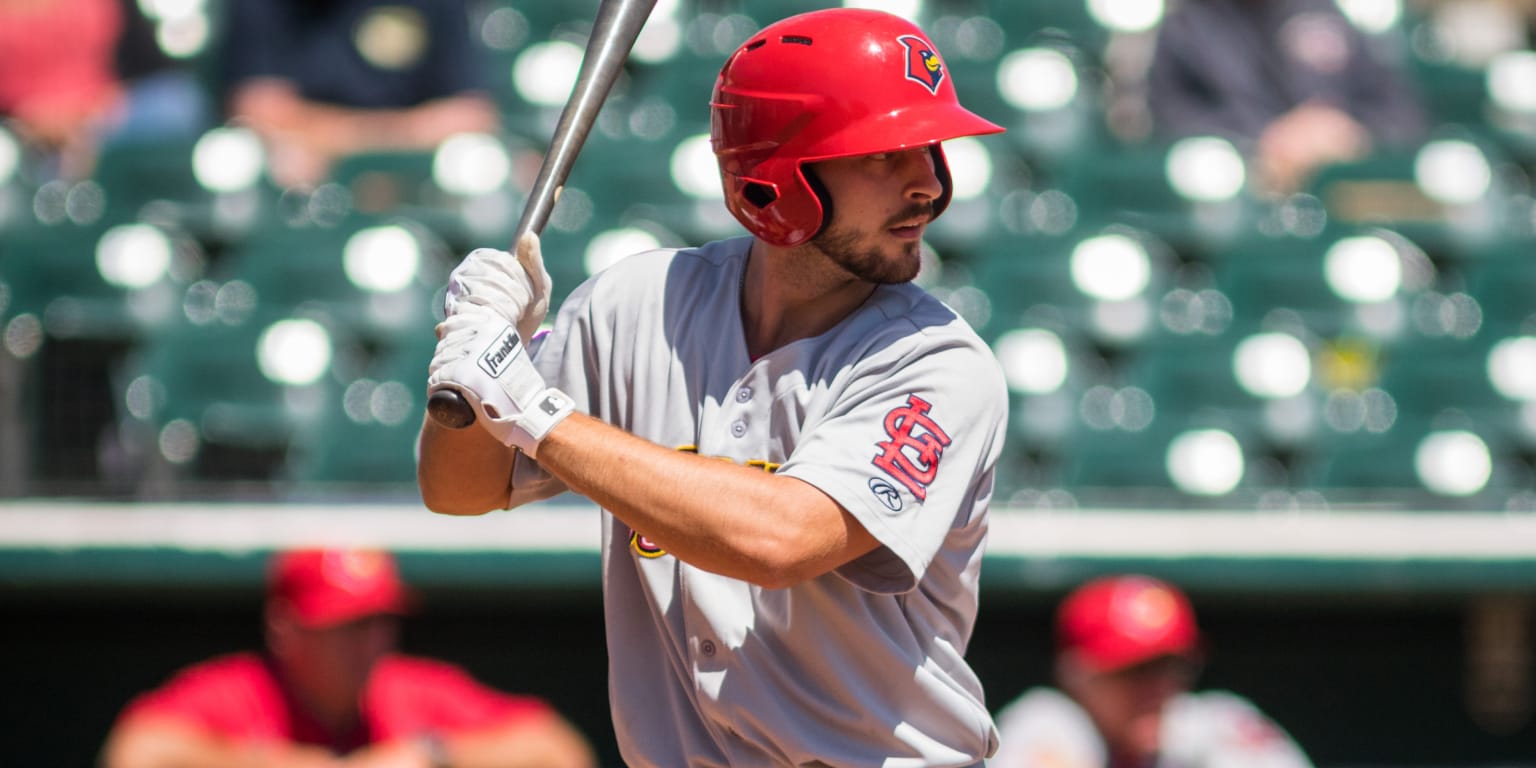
{"x": 549, "y": 408}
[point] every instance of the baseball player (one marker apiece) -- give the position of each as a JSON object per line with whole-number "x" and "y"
{"x": 792, "y": 444}
{"x": 1128, "y": 648}
{"x": 329, "y": 689}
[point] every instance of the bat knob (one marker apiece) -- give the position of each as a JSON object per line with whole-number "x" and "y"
{"x": 449, "y": 409}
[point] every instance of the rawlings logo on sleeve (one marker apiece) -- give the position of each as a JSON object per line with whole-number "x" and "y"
{"x": 911, "y": 455}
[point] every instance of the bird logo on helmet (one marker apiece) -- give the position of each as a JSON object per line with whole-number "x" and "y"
{"x": 923, "y": 64}
{"x": 824, "y": 85}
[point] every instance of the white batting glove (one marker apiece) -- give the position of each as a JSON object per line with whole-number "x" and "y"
{"x": 514, "y": 287}
{"x": 480, "y": 356}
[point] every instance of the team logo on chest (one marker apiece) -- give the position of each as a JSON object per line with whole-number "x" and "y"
{"x": 924, "y": 66}
{"x": 917, "y": 442}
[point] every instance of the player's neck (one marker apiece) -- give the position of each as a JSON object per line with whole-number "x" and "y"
{"x": 787, "y": 295}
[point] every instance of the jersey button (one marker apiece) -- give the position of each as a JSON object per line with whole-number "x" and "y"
{"x": 739, "y": 428}
{"x": 708, "y": 647}
{"x": 744, "y": 394}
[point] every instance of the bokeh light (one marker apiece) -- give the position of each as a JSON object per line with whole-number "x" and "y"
{"x": 1512, "y": 367}
{"x": 1272, "y": 365}
{"x": 970, "y": 167}
{"x": 1512, "y": 81}
{"x": 1034, "y": 360}
{"x": 1363, "y": 269}
{"x": 1037, "y": 79}
{"x": 1205, "y": 462}
{"x": 133, "y": 255}
{"x": 544, "y": 73}
{"x": 1453, "y": 463}
{"x": 1452, "y": 171}
{"x": 1111, "y": 267}
{"x": 471, "y": 164}
{"x": 295, "y": 351}
{"x": 382, "y": 259}
{"x": 612, "y": 246}
{"x": 228, "y": 159}
{"x": 1126, "y": 15}
{"x": 695, "y": 170}
{"x": 1205, "y": 168}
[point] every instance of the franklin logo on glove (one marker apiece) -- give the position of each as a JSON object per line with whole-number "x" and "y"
{"x": 504, "y": 349}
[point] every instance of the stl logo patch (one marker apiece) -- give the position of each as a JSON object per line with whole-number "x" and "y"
{"x": 923, "y": 63}
{"x": 917, "y": 442}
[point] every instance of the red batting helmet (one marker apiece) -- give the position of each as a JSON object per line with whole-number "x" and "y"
{"x": 821, "y": 85}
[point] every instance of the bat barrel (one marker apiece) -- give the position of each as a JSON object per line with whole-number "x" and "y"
{"x": 617, "y": 26}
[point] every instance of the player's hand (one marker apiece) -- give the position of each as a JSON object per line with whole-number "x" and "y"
{"x": 480, "y": 355}
{"x": 516, "y": 287}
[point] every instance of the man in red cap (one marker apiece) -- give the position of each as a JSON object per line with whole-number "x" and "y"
{"x": 331, "y": 690}
{"x": 1127, "y": 652}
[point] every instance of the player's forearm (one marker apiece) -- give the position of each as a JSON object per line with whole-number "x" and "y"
{"x": 462, "y": 471}
{"x": 276, "y": 109}
{"x": 341, "y": 130}
{"x": 716, "y": 515}
{"x": 164, "y": 743}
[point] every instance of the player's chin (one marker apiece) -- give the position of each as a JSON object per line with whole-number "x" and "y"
{"x": 902, "y": 269}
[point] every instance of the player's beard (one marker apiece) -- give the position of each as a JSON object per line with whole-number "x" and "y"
{"x": 849, "y": 248}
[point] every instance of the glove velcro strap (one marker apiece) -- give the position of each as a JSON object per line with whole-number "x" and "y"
{"x": 549, "y": 408}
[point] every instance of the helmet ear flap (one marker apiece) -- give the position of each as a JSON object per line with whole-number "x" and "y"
{"x": 819, "y": 191}
{"x": 941, "y": 170}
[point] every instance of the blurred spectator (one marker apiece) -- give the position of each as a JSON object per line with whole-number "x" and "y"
{"x": 1128, "y": 651}
{"x": 331, "y": 690}
{"x": 1291, "y": 82}
{"x": 1474, "y": 32}
{"x": 319, "y": 79}
{"x": 165, "y": 99}
{"x": 58, "y": 87}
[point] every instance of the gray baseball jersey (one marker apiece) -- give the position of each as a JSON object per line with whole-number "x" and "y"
{"x": 897, "y": 413}
{"x": 1214, "y": 729}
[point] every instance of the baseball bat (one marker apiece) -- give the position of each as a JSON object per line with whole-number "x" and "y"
{"x": 614, "y": 32}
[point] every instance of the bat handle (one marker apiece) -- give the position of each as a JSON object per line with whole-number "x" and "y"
{"x": 449, "y": 409}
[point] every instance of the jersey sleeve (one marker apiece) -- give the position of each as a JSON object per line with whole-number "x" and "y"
{"x": 908, "y": 449}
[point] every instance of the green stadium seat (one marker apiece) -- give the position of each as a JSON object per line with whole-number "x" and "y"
{"x": 1263, "y": 275}
{"x": 305, "y": 268}
{"x": 1380, "y": 470}
{"x": 134, "y": 175}
{"x": 1027, "y": 277}
{"x": 198, "y": 401}
{"x": 365, "y": 441}
{"x": 1130, "y": 184}
{"x": 52, "y": 272}
{"x": 1384, "y": 190}
{"x": 1504, "y": 285}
